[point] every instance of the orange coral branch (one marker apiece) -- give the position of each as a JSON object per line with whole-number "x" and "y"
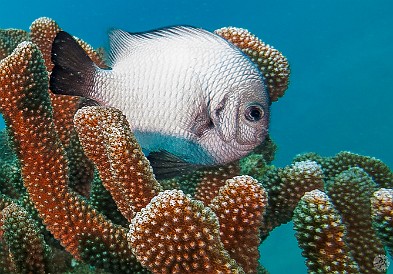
{"x": 240, "y": 206}
{"x": 124, "y": 170}
{"x": 43, "y": 31}
{"x": 273, "y": 65}
{"x": 175, "y": 234}
{"x": 25, "y": 104}
{"x": 209, "y": 181}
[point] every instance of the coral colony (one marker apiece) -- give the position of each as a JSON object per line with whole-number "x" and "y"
{"x": 78, "y": 196}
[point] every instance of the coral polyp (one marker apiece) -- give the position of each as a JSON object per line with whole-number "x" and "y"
{"x": 78, "y": 194}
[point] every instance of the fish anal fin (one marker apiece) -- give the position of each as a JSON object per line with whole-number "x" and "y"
{"x": 166, "y": 165}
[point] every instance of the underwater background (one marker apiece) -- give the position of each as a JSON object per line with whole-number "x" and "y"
{"x": 341, "y": 85}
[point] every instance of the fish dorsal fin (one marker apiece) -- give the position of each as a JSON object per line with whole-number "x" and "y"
{"x": 123, "y": 43}
{"x": 166, "y": 165}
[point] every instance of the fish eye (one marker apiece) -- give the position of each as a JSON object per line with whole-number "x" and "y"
{"x": 254, "y": 113}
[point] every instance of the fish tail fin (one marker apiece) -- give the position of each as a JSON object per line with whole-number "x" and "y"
{"x": 73, "y": 70}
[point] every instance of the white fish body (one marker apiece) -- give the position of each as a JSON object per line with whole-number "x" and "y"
{"x": 184, "y": 91}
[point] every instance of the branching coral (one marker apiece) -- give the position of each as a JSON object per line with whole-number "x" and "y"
{"x": 382, "y": 215}
{"x": 320, "y": 233}
{"x": 273, "y": 65}
{"x": 26, "y": 108}
{"x": 43, "y": 32}
{"x": 26, "y": 246}
{"x": 378, "y": 170}
{"x": 53, "y": 145}
{"x": 285, "y": 187}
{"x": 108, "y": 142}
{"x": 209, "y": 181}
{"x": 350, "y": 192}
{"x": 240, "y": 206}
{"x": 125, "y": 172}
{"x": 175, "y": 234}
{"x": 351, "y": 180}
{"x": 9, "y": 39}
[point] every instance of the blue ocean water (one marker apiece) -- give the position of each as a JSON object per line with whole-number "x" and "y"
{"x": 341, "y": 91}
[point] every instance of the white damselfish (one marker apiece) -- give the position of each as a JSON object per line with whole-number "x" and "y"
{"x": 191, "y": 97}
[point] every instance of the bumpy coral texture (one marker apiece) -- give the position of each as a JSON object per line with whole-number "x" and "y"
{"x": 350, "y": 192}
{"x": 43, "y": 160}
{"x": 109, "y": 143}
{"x": 382, "y": 216}
{"x": 28, "y": 250}
{"x": 351, "y": 180}
{"x": 9, "y": 39}
{"x": 175, "y": 234}
{"x": 211, "y": 180}
{"x": 332, "y": 166}
{"x": 43, "y": 31}
{"x": 320, "y": 233}
{"x": 273, "y": 65}
{"x": 285, "y": 187}
{"x": 27, "y": 111}
{"x": 240, "y": 206}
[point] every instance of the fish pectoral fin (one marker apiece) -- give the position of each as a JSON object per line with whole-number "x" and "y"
{"x": 166, "y": 165}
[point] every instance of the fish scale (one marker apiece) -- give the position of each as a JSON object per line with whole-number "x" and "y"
{"x": 191, "y": 98}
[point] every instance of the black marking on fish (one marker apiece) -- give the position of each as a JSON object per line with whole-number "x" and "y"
{"x": 166, "y": 165}
{"x": 74, "y": 71}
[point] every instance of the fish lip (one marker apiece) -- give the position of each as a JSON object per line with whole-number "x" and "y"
{"x": 262, "y": 135}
